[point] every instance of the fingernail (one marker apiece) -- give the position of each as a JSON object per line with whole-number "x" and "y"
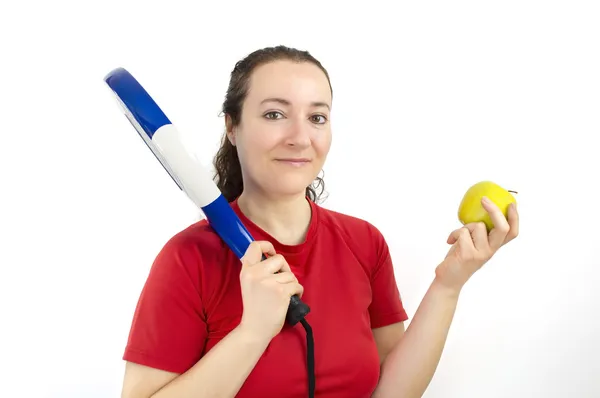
{"x": 486, "y": 200}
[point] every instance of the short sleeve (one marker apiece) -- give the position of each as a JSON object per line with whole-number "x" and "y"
{"x": 386, "y": 306}
{"x": 168, "y": 330}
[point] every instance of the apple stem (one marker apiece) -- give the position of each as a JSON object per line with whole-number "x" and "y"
{"x": 513, "y": 192}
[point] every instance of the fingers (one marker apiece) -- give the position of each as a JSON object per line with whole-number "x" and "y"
{"x": 462, "y": 233}
{"x": 458, "y": 234}
{"x": 284, "y": 277}
{"x": 274, "y": 264}
{"x": 479, "y": 235}
{"x": 503, "y": 232}
{"x": 453, "y": 237}
{"x": 472, "y": 236}
{"x": 288, "y": 284}
{"x": 255, "y": 251}
{"x": 253, "y": 257}
{"x": 294, "y": 288}
{"x": 501, "y": 227}
{"x": 513, "y": 222}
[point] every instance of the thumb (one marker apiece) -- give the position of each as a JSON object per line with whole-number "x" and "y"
{"x": 254, "y": 252}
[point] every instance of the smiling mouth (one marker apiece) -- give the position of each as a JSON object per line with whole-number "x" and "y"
{"x": 294, "y": 161}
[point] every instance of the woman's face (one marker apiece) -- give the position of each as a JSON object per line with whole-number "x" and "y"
{"x": 284, "y": 134}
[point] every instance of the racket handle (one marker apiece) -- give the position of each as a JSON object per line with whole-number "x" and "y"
{"x": 297, "y": 310}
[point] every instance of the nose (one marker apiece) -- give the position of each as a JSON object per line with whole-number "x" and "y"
{"x": 299, "y": 133}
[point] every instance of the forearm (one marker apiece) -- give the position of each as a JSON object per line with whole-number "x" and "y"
{"x": 410, "y": 366}
{"x": 222, "y": 371}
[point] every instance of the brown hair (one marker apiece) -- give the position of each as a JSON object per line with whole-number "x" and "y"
{"x": 228, "y": 176}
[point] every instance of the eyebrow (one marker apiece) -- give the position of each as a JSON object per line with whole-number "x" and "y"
{"x": 286, "y": 102}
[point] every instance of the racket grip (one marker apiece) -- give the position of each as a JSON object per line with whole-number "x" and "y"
{"x": 297, "y": 310}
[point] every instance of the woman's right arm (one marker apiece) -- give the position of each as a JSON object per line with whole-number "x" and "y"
{"x": 220, "y": 373}
{"x": 267, "y": 287}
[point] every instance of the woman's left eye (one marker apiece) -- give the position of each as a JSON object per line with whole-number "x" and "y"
{"x": 319, "y": 119}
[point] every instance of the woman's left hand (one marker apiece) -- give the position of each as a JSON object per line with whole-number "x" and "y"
{"x": 472, "y": 246}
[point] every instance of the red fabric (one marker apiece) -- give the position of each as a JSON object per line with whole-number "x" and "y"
{"x": 192, "y": 299}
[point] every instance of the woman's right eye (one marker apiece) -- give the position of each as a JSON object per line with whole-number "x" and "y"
{"x": 273, "y": 115}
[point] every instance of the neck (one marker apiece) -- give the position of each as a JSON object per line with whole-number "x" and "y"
{"x": 285, "y": 219}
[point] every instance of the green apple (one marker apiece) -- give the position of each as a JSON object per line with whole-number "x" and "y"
{"x": 471, "y": 210}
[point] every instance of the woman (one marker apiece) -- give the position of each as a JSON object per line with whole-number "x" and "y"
{"x": 210, "y": 325}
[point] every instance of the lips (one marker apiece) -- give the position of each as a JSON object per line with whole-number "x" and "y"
{"x": 296, "y": 162}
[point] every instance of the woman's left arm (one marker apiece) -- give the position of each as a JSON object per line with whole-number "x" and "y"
{"x": 410, "y": 365}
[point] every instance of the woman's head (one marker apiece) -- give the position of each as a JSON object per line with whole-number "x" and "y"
{"x": 277, "y": 109}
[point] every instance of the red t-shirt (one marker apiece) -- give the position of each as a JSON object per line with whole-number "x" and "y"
{"x": 192, "y": 299}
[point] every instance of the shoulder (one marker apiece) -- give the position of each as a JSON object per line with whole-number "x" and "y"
{"x": 350, "y": 226}
{"x": 191, "y": 248}
{"x": 362, "y": 236}
{"x": 198, "y": 233}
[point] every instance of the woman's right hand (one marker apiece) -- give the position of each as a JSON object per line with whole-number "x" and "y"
{"x": 267, "y": 286}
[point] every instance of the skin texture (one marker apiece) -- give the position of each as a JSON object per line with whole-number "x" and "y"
{"x": 411, "y": 364}
{"x": 287, "y": 115}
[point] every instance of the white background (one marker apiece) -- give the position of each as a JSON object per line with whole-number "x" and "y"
{"x": 429, "y": 98}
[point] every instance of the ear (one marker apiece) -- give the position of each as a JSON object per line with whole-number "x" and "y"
{"x": 229, "y": 129}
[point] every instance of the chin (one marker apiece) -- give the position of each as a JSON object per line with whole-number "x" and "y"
{"x": 289, "y": 186}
